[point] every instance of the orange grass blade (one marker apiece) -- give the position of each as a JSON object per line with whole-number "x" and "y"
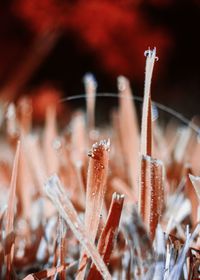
{"x": 128, "y": 125}
{"x": 118, "y": 166}
{"x": 62, "y": 246}
{"x": 36, "y": 161}
{"x": 50, "y": 135}
{"x": 38, "y": 168}
{"x": 142, "y": 187}
{"x": 65, "y": 208}
{"x": 71, "y": 174}
{"x": 157, "y": 196}
{"x": 145, "y": 185}
{"x": 106, "y": 240}
{"x": 146, "y": 134}
{"x": 9, "y": 229}
{"x": 95, "y": 192}
{"x": 25, "y": 183}
{"x": 152, "y": 193}
{"x": 96, "y": 186}
{"x": 78, "y": 139}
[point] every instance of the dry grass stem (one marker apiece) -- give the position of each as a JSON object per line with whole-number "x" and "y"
{"x": 152, "y": 192}
{"x": 71, "y": 230}
{"x": 50, "y": 136}
{"x": 129, "y": 132}
{"x": 106, "y": 240}
{"x": 95, "y": 192}
{"x": 146, "y": 133}
{"x": 69, "y": 214}
{"x": 10, "y": 213}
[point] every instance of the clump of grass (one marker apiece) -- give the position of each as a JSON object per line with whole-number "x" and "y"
{"x": 122, "y": 208}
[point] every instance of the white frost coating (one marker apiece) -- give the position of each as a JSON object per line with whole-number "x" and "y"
{"x": 90, "y": 81}
{"x": 49, "y": 227}
{"x": 167, "y": 264}
{"x": 118, "y": 197}
{"x": 152, "y": 160}
{"x": 122, "y": 83}
{"x": 160, "y": 252}
{"x": 154, "y": 111}
{"x": 160, "y": 240}
{"x": 151, "y": 54}
{"x": 56, "y": 144}
{"x": 11, "y": 111}
{"x": 65, "y": 208}
{"x": 41, "y": 252}
{"x": 90, "y": 89}
{"x": 104, "y": 143}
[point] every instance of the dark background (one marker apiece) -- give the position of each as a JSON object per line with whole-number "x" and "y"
{"x": 56, "y": 42}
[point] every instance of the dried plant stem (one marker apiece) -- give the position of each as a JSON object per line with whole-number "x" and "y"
{"x": 95, "y": 192}
{"x": 39, "y": 170}
{"x": 106, "y": 240}
{"x": 96, "y": 186}
{"x": 148, "y": 190}
{"x": 50, "y": 135}
{"x": 9, "y": 230}
{"x": 24, "y": 183}
{"x": 67, "y": 211}
{"x": 146, "y": 134}
{"x": 78, "y": 140}
{"x": 62, "y": 246}
{"x": 143, "y": 187}
{"x": 36, "y": 161}
{"x": 152, "y": 193}
{"x": 129, "y": 131}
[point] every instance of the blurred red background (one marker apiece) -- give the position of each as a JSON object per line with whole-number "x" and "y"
{"x": 55, "y": 42}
